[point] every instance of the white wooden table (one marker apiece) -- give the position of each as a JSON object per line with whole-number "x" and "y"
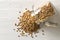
{"x": 9, "y": 11}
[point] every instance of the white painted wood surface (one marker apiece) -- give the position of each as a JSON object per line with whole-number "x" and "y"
{"x": 9, "y": 11}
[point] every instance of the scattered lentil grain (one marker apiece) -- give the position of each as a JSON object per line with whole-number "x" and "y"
{"x": 19, "y": 11}
{"x": 35, "y": 35}
{"x": 14, "y": 29}
{"x": 25, "y": 8}
{"x": 43, "y": 34}
{"x": 15, "y": 24}
{"x": 42, "y": 30}
{"x": 18, "y": 35}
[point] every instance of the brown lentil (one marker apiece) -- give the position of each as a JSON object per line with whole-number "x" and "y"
{"x": 27, "y": 22}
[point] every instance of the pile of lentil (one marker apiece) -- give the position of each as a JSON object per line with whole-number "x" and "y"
{"x": 28, "y": 23}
